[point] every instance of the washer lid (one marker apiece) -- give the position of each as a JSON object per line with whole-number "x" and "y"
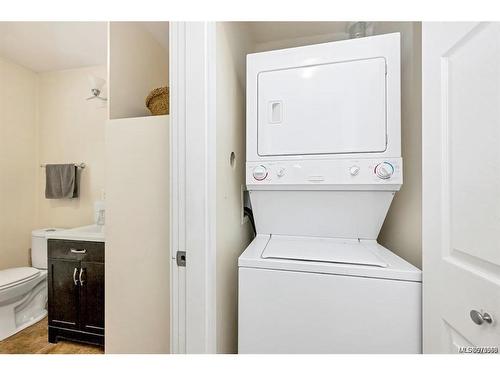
{"x": 369, "y": 260}
{"x": 331, "y": 250}
{"x": 14, "y": 276}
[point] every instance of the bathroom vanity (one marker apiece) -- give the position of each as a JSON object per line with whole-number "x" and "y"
{"x": 75, "y": 287}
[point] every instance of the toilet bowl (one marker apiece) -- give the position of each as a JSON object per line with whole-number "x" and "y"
{"x": 23, "y": 299}
{"x": 23, "y": 290}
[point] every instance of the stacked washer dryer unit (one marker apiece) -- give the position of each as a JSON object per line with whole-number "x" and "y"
{"x": 323, "y": 164}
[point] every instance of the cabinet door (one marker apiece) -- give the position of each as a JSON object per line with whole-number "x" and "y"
{"x": 63, "y": 293}
{"x": 92, "y": 297}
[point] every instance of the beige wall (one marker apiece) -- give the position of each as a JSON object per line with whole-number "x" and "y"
{"x": 44, "y": 118}
{"x": 402, "y": 230}
{"x": 137, "y": 236}
{"x": 298, "y": 42}
{"x": 70, "y": 129}
{"x": 138, "y": 63}
{"x": 18, "y": 103}
{"x": 232, "y": 235}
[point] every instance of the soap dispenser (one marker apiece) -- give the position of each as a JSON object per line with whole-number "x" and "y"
{"x": 99, "y": 212}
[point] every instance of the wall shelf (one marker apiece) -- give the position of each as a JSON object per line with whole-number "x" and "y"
{"x": 138, "y": 55}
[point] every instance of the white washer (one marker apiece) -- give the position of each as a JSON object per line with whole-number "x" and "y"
{"x": 323, "y": 165}
{"x": 321, "y": 295}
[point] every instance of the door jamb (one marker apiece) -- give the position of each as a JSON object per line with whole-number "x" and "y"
{"x": 193, "y": 178}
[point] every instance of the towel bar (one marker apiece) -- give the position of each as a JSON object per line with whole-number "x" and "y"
{"x": 79, "y": 165}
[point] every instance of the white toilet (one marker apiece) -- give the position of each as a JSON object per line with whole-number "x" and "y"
{"x": 23, "y": 290}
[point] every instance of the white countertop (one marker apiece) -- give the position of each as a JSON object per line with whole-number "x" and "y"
{"x": 86, "y": 233}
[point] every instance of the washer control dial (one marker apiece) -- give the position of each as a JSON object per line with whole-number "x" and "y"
{"x": 384, "y": 170}
{"x": 260, "y": 173}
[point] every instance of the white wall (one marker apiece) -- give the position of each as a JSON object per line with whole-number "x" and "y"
{"x": 232, "y": 235}
{"x": 137, "y": 306}
{"x": 138, "y": 63}
{"x": 18, "y": 103}
{"x": 70, "y": 129}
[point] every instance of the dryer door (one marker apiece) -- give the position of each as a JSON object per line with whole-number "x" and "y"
{"x": 323, "y": 109}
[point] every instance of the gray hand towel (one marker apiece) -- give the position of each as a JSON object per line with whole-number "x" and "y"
{"x": 61, "y": 181}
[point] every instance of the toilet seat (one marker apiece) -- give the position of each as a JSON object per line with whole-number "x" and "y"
{"x": 15, "y": 276}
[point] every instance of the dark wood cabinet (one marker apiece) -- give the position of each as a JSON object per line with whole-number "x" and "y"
{"x": 63, "y": 293}
{"x": 92, "y": 298}
{"x": 76, "y": 291}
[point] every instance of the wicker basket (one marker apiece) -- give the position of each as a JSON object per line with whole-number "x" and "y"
{"x": 157, "y": 101}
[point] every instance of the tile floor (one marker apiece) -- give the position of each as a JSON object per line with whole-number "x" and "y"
{"x": 33, "y": 340}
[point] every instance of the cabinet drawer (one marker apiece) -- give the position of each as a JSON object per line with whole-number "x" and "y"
{"x": 76, "y": 250}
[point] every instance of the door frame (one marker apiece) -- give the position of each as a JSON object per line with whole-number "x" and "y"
{"x": 192, "y": 186}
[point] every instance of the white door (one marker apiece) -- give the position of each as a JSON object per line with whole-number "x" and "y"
{"x": 461, "y": 186}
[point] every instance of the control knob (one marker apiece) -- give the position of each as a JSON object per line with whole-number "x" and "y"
{"x": 384, "y": 170}
{"x": 260, "y": 173}
{"x": 354, "y": 170}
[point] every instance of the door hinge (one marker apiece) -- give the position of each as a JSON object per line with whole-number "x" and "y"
{"x": 180, "y": 257}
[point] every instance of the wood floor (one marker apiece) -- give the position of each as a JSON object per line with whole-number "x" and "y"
{"x": 33, "y": 340}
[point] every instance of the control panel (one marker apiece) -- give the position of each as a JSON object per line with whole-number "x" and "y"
{"x": 328, "y": 172}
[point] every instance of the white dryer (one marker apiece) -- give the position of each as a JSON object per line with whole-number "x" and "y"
{"x": 323, "y": 165}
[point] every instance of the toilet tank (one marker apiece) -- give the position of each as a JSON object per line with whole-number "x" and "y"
{"x": 39, "y": 247}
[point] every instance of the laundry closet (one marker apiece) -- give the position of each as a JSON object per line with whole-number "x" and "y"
{"x": 401, "y": 229}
